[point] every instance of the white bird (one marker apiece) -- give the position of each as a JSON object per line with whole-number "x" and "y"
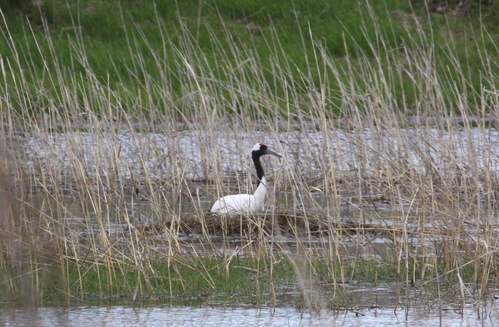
{"x": 247, "y": 203}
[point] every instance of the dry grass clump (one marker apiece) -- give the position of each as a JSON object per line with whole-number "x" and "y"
{"x": 128, "y": 187}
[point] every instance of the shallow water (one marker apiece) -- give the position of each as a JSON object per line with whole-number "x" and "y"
{"x": 385, "y": 304}
{"x": 207, "y": 316}
{"x": 160, "y": 154}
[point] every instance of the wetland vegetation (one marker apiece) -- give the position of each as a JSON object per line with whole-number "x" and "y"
{"x": 117, "y": 133}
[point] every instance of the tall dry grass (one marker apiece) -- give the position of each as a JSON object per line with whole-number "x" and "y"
{"x": 104, "y": 177}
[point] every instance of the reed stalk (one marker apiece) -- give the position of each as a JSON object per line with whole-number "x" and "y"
{"x": 111, "y": 182}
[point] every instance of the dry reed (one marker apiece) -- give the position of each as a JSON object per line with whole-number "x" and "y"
{"x": 112, "y": 180}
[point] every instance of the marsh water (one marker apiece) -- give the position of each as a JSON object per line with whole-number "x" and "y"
{"x": 120, "y": 316}
{"x": 375, "y": 307}
{"x": 371, "y": 305}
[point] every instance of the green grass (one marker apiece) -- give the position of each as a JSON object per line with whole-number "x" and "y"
{"x": 143, "y": 47}
{"x": 205, "y": 280}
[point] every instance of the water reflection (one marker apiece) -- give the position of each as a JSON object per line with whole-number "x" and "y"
{"x": 207, "y": 316}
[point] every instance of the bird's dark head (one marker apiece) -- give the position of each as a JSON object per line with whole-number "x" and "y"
{"x": 260, "y": 149}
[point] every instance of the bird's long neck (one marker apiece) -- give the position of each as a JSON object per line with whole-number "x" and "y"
{"x": 259, "y": 168}
{"x": 259, "y": 196}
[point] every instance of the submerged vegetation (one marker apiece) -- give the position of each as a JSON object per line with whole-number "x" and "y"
{"x": 117, "y": 133}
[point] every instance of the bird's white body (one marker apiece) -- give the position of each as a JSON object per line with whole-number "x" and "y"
{"x": 242, "y": 203}
{"x": 247, "y": 203}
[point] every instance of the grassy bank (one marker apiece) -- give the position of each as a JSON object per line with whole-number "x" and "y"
{"x": 150, "y": 56}
{"x": 116, "y": 139}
